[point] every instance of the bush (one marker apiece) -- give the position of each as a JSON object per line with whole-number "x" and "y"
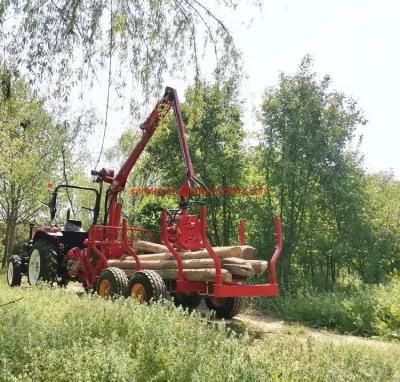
{"x": 362, "y": 309}
{"x": 51, "y": 335}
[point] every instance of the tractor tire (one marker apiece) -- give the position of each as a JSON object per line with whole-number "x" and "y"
{"x": 112, "y": 283}
{"x": 147, "y": 286}
{"x": 227, "y": 307}
{"x": 187, "y": 301}
{"x": 42, "y": 265}
{"x": 14, "y": 271}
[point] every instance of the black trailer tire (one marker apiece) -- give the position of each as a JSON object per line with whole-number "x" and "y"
{"x": 14, "y": 271}
{"x": 147, "y": 286}
{"x": 112, "y": 283}
{"x": 187, "y": 301}
{"x": 42, "y": 265}
{"x": 227, "y": 307}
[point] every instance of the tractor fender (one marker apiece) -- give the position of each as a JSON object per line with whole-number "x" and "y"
{"x": 47, "y": 233}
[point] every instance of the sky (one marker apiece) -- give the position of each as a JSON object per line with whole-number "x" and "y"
{"x": 356, "y": 42}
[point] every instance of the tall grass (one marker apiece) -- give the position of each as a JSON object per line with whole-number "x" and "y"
{"x": 53, "y": 335}
{"x": 368, "y": 310}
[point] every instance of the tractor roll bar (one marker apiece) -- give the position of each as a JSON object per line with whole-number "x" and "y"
{"x": 53, "y": 201}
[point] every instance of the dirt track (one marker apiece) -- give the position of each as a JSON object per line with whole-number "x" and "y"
{"x": 272, "y": 325}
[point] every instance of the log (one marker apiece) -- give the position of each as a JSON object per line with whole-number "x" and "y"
{"x": 129, "y": 262}
{"x": 245, "y": 251}
{"x": 235, "y": 266}
{"x": 190, "y": 274}
{"x": 259, "y": 266}
{"x": 238, "y": 266}
{"x": 149, "y": 247}
{"x": 219, "y": 251}
{"x": 227, "y": 251}
{"x": 239, "y": 270}
{"x": 235, "y": 260}
{"x": 248, "y": 252}
{"x": 162, "y": 264}
{"x": 223, "y": 252}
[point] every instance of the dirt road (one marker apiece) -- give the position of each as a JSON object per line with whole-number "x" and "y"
{"x": 265, "y": 324}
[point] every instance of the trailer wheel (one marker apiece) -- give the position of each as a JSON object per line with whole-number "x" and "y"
{"x": 42, "y": 263}
{"x": 227, "y": 307}
{"x": 146, "y": 286}
{"x": 14, "y": 271}
{"x": 187, "y": 301}
{"x": 112, "y": 283}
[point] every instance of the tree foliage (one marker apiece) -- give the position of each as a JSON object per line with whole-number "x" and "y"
{"x": 383, "y": 214}
{"x": 28, "y": 155}
{"x": 140, "y": 41}
{"x": 308, "y": 131}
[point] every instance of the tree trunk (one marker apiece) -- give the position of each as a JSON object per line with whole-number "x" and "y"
{"x": 5, "y": 257}
{"x": 285, "y": 268}
{"x": 217, "y": 240}
{"x": 10, "y": 231}
{"x": 225, "y": 211}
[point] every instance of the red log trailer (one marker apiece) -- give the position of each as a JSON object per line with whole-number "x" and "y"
{"x": 61, "y": 254}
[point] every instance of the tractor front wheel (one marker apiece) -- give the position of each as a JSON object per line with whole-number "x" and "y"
{"x": 14, "y": 271}
{"x": 147, "y": 286}
{"x": 227, "y": 307}
{"x": 42, "y": 264}
{"x": 112, "y": 283}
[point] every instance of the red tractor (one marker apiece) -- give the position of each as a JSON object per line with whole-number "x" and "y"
{"x": 69, "y": 253}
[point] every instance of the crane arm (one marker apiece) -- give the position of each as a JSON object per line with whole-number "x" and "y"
{"x": 148, "y": 127}
{"x": 118, "y": 182}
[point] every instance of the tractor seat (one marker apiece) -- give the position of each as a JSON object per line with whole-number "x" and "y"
{"x": 73, "y": 225}
{"x": 73, "y": 234}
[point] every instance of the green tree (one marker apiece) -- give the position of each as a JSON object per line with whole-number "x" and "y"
{"x": 28, "y": 155}
{"x": 383, "y": 212}
{"x": 308, "y": 129}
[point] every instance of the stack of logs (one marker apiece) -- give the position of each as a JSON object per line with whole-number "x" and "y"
{"x": 238, "y": 262}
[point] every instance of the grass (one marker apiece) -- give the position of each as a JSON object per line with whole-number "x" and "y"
{"x": 52, "y": 335}
{"x": 366, "y": 310}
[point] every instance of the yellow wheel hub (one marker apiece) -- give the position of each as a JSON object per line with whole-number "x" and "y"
{"x": 105, "y": 289}
{"x": 139, "y": 293}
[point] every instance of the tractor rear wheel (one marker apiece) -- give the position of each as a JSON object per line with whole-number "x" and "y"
{"x": 14, "y": 271}
{"x": 187, "y": 301}
{"x": 227, "y": 307}
{"x": 112, "y": 283}
{"x": 42, "y": 264}
{"x": 147, "y": 286}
